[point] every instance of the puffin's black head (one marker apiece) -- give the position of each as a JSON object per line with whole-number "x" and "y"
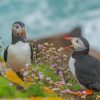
{"x": 18, "y": 32}
{"x": 18, "y": 29}
{"x": 20, "y": 23}
{"x": 79, "y": 44}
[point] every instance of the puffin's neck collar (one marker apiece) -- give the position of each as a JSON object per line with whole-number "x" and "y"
{"x": 83, "y": 52}
{"x": 16, "y": 38}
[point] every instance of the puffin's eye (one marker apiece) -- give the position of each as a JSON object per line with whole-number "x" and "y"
{"x": 16, "y": 26}
{"x": 76, "y": 41}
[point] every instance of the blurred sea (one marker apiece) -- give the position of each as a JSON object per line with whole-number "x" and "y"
{"x": 47, "y": 17}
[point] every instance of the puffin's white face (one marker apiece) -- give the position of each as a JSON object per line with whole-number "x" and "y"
{"x": 78, "y": 44}
{"x": 17, "y": 29}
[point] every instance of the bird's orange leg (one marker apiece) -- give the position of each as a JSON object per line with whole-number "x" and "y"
{"x": 85, "y": 92}
{"x": 80, "y": 93}
{"x": 88, "y": 92}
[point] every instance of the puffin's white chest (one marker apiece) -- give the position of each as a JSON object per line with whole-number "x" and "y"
{"x": 19, "y": 55}
{"x": 71, "y": 65}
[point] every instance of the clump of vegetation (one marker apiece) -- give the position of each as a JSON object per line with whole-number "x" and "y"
{"x": 5, "y": 89}
{"x": 1, "y": 59}
{"x": 8, "y": 90}
{"x": 49, "y": 75}
{"x": 35, "y": 90}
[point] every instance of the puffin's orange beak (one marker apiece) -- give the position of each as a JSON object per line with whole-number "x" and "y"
{"x": 69, "y": 38}
{"x": 25, "y": 35}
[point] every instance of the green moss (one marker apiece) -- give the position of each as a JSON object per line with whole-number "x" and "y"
{"x": 48, "y": 73}
{"x": 1, "y": 58}
{"x": 75, "y": 85}
{"x": 21, "y": 94}
{"x": 35, "y": 90}
{"x": 5, "y": 89}
{"x": 9, "y": 91}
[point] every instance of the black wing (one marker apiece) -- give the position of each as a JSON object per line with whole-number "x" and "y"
{"x": 88, "y": 71}
{"x": 5, "y": 54}
{"x": 31, "y": 50}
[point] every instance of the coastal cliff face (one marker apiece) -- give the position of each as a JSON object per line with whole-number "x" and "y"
{"x": 95, "y": 53}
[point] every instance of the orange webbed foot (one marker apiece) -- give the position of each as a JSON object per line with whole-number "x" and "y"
{"x": 79, "y": 93}
{"x": 88, "y": 92}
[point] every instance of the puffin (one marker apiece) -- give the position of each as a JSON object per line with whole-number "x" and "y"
{"x": 84, "y": 67}
{"x": 19, "y": 53}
